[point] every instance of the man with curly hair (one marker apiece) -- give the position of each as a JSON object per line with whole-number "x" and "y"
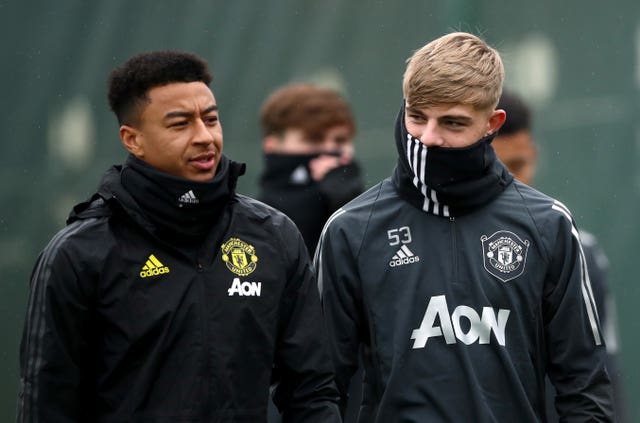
{"x": 168, "y": 296}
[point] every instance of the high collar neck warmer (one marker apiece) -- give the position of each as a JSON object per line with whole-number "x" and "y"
{"x": 447, "y": 182}
{"x": 287, "y": 169}
{"x": 178, "y": 208}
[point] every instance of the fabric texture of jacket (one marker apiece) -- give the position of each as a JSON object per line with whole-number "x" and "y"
{"x": 460, "y": 318}
{"x": 598, "y": 266}
{"x": 124, "y": 326}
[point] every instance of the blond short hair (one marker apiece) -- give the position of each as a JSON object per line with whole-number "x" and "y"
{"x": 457, "y": 68}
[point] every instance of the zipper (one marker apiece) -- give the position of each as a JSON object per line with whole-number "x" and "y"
{"x": 454, "y": 252}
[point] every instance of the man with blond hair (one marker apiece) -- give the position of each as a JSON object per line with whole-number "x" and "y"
{"x": 462, "y": 287}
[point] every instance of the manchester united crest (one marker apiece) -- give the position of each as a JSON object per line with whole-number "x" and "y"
{"x": 504, "y": 255}
{"x": 239, "y": 256}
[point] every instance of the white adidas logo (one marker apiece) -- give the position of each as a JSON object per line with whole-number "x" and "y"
{"x": 299, "y": 176}
{"x": 189, "y": 198}
{"x": 403, "y": 256}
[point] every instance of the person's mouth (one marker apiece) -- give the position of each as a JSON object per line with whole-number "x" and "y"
{"x": 204, "y": 161}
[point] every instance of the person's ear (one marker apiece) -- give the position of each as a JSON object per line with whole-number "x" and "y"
{"x": 496, "y": 120}
{"x": 132, "y": 140}
{"x": 271, "y": 143}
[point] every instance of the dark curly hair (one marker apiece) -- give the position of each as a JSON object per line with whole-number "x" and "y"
{"x": 129, "y": 83}
{"x": 518, "y": 113}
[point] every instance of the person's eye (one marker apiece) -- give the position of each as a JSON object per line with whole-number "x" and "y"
{"x": 211, "y": 120}
{"x": 178, "y": 124}
{"x": 341, "y": 140}
{"x": 454, "y": 124}
{"x": 416, "y": 117}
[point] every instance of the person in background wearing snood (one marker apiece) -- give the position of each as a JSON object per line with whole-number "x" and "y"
{"x": 460, "y": 288}
{"x": 309, "y": 170}
{"x": 168, "y": 296}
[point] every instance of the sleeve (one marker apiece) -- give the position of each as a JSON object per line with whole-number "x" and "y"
{"x": 54, "y": 383}
{"x": 598, "y": 266}
{"x": 575, "y": 346}
{"x": 338, "y": 282}
{"x": 304, "y": 385}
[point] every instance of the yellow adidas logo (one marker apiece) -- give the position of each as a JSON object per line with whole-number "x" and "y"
{"x": 153, "y": 267}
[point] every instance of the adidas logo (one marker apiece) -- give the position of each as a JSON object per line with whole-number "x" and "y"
{"x": 153, "y": 267}
{"x": 300, "y": 176}
{"x": 189, "y": 198}
{"x": 403, "y": 256}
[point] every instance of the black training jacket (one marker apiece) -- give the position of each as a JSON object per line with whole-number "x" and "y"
{"x": 459, "y": 319}
{"x": 286, "y": 184}
{"x": 122, "y": 326}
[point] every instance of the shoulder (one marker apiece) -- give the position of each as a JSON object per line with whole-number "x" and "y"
{"x": 379, "y": 197}
{"x": 88, "y": 234}
{"x": 354, "y": 222}
{"x": 542, "y": 208}
{"x": 529, "y": 195}
{"x": 256, "y": 209}
{"x": 267, "y": 217}
{"x": 548, "y": 218}
{"x": 76, "y": 249}
{"x": 95, "y": 206}
{"x": 363, "y": 207}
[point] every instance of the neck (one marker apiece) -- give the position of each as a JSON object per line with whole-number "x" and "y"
{"x": 180, "y": 209}
{"x": 447, "y": 181}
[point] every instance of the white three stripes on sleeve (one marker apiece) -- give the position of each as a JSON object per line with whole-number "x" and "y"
{"x": 587, "y": 292}
{"x": 317, "y": 259}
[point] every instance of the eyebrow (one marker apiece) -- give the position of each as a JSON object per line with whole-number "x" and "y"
{"x": 462, "y": 118}
{"x": 459, "y": 118}
{"x": 180, "y": 114}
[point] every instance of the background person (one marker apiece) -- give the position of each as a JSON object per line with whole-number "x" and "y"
{"x": 309, "y": 170}
{"x": 168, "y": 296}
{"x": 516, "y": 148}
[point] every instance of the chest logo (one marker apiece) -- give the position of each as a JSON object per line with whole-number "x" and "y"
{"x": 244, "y": 289}
{"x": 239, "y": 256}
{"x": 153, "y": 267}
{"x": 504, "y": 255}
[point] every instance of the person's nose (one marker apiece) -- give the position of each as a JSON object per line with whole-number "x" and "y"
{"x": 202, "y": 134}
{"x": 329, "y": 145}
{"x": 431, "y": 136}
